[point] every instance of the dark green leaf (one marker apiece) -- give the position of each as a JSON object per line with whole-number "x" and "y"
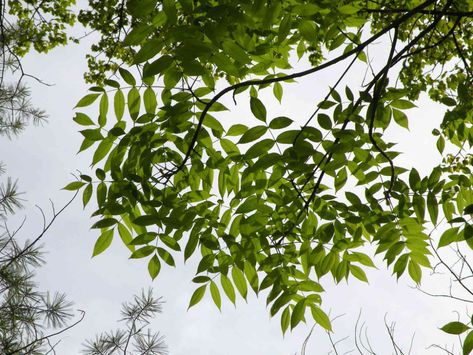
{"x": 455, "y": 328}
{"x": 280, "y": 122}
{"x": 258, "y": 109}
{"x": 104, "y": 223}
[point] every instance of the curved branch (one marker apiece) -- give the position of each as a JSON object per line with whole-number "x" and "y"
{"x": 330, "y": 63}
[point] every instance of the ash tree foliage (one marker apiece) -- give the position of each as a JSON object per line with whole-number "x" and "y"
{"x": 276, "y": 205}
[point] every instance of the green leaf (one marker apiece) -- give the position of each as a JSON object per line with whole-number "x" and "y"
{"x": 258, "y": 109}
{"x": 400, "y": 118}
{"x": 127, "y": 76}
{"x": 251, "y": 276}
{"x": 119, "y": 104}
{"x": 215, "y": 295}
{"x": 298, "y": 313}
{"x": 190, "y": 246}
{"x": 125, "y": 235}
{"x": 468, "y": 344}
{"x": 87, "y": 194}
{"x": 253, "y": 134}
{"x": 455, "y": 328}
{"x": 308, "y": 30}
{"x": 102, "y": 150}
{"x": 83, "y": 119}
{"x": 285, "y": 319}
{"x": 449, "y": 236}
{"x": 259, "y": 148}
{"x": 229, "y": 147}
{"x": 358, "y": 272}
{"x": 440, "y": 144}
{"x": 197, "y": 296}
{"x": 92, "y": 134}
{"x": 402, "y": 104}
{"x": 324, "y": 121}
{"x": 87, "y": 100}
{"x": 103, "y": 108}
{"x": 170, "y": 242}
{"x": 158, "y": 66}
{"x": 149, "y": 100}
{"x": 249, "y": 205}
{"x": 415, "y": 271}
{"x": 236, "y": 52}
{"x": 166, "y": 256}
{"x": 103, "y": 242}
{"x": 340, "y": 179}
{"x": 104, "y": 223}
{"x": 278, "y": 91}
{"x": 143, "y": 252}
{"x": 320, "y": 317}
{"x": 240, "y": 281}
{"x": 154, "y": 266}
{"x": 280, "y": 122}
{"x": 227, "y": 287}
{"x": 169, "y": 7}
{"x": 468, "y": 209}
{"x": 414, "y": 179}
{"x": 144, "y": 238}
{"x": 432, "y": 207}
{"x": 146, "y": 220}
{"x": 75, "y": 185}
{"x": 134, "y": 103}
{"x": 237, "y": 130}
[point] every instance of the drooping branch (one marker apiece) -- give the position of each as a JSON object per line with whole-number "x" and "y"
{"x": 300, "y": 74}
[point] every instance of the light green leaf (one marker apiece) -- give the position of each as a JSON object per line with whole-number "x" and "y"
{"x": 149, "y": 100}
{"x": 166, "y": 256}
{"x": 87, "y": 100}
{"x": 240, "y": 281}
{"x": 215, "y": 295}
{"x": 87, "y": 194}
{"x": 227, "y": 287}
{"x": 126, "y": 236}
{"x": 285, "y": 319}
{"x": 103, "y": 242}
{"x": 358, "y": 272}
{"x": 119, "y": 104}
{"x": 143, "y": 252}
{"x": 253, "y": 134}
{"x": 83, "y": 119}
{"x": 127, "y": 76}
{"x": 415, "y": 271}
{"x": 278, "y": 91}
{"x": 154, "y": 266}
{"x": 320, "y": 317}
{"x": 197, "y": 296}
{"x": 237, "y": 130}
{"x": 75, "y": 185}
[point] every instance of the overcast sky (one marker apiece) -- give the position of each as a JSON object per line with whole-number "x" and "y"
{"x": 43, "y": 160}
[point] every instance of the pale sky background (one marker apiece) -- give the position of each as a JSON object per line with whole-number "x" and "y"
{"x": 43, "y": 159}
